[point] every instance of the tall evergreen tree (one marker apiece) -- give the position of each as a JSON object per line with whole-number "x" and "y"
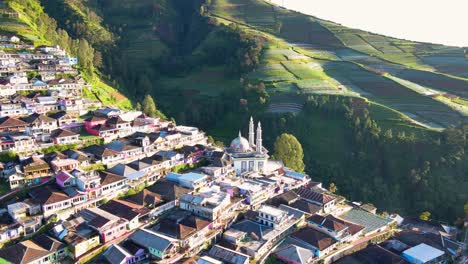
{"x": 149, "y": 106}
{"x": 289, "y": 150}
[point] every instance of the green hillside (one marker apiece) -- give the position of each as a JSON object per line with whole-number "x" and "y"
{"x": 380, "y": 117}
{"x": 34, "y": 25}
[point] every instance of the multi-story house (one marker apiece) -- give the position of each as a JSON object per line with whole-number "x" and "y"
{"x": 209, "y": 203}
{"x": 326, "y": 201}
{"x": 108, "y": 226}
{"x": 63, "y": 136}
{"x": 40, "y": 126}
{"x": 112, "y": 185}
{"x": 102, "y": 154}
{"x": 53, "y": 200}
{"x": 17, "y": 143}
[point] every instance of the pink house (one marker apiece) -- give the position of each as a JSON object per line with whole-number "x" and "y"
{"x": 64, "y": 179}
{"x": 92, "y": 123}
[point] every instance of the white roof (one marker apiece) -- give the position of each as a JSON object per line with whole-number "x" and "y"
{"x": 269, "y": 210}
{"x": 423, "y": 252}
{"x": 208, "y": 260}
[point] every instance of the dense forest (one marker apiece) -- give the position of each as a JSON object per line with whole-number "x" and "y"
{"x": 139, "y": 45}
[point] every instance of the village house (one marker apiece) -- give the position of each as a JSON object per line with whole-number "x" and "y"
{"x": 44, "y": 104}
{"x": 53, "y": 200}
{"x": 17, "y": 143}
{"x": 134, "y": 177}
{"x": 173, "y": 157}
{"x": 209, "y": 203}
{"x": 321, "y": 243}
{"x": 125, "y": 253}
{"x": 32, "y": 171}
{"x": 326, "y": 201}
{"x": 329, "y": 226}
{"x": 107, "y": 112}
{"x": 120, "y": 209}
{"x": 12, "y": 124}
{"x": 107, "y": 225}
{"x": 147, "y": 166}
{"x": 226, "y": 255}
{"x": 112, "y": 185}
{"x": 102, "y": 154}
{"x": 126, "y": 149}
{"x": 88, "y": 182}
{"x": 82, "y": 158}
{"x": 66, "y": 121}
{"x": 40, "y": 126}
{"x": 192, "y": 154}
{"x": 77, "y": 236}
{"x": 190, "y": 180}
{"x": 169, "y": 193}
{"x": 259, "y": 233}
{"x": 291, "y": 253}
{"x": 63, "y": 163}
{"x": 41, "y": 249}
{"x": 9, "y": 229}
{"x": 159, "y": 246}
{"x": 124, "y": 128}
{"x": 189, "y": 231}
{"x": 63, "y": 137}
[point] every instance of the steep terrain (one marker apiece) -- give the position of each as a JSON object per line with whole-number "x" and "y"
{"x": 369, "y": 110}
{"x": 35, "y": 25}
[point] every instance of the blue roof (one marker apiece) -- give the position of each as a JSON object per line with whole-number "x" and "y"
{"x": 149, "y": 239}
{"x": 39, "y": 83}
{"x": 173, "y": 177}
{"x": 187, "y": 177}
{"x": 295, "y": 175}
{"x": 191, "y": 177}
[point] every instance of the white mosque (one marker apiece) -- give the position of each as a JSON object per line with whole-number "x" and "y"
{"x": 248, "y": 155}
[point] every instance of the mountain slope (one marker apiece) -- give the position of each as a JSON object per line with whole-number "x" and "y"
{"x": 35, "y": 25}
{"x": 361, "y": 104}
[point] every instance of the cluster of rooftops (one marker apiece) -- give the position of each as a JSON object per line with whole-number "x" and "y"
{"x": 134, "y": 189}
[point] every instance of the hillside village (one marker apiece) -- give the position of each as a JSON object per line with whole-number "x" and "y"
{"x": 92, "y": 183}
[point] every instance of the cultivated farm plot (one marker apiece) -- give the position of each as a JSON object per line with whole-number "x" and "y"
{"x": 283, "y": 87}
{"x": 304, "y": 71}
{"x": 457, "y": 66}
{"x": 255, "y": 13}
{"x": 271, "y": 73}
{"x": 436, "y": 81}
{"x": 208, "y": 81}
{"x": 354, "y": 41}
{"x": 283, "y": 54}
{"x": 319, "y": 54}
{"x": 351, "y": 55}
{"x": 381, "y": 43}
{"x": 301, "y": 29}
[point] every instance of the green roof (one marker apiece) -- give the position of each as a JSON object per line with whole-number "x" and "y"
{"x": 370, "y": 221}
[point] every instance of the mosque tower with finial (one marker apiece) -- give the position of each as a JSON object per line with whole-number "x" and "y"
{"x": 248, "y": 155}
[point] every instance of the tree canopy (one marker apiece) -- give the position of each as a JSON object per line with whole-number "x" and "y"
{"x": 289, "y": 150}
{"x": 149, "y": 107}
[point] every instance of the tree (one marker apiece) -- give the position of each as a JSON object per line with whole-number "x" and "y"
{"x": 333, "y": 188}
{"x": 149, "y": 106}
{"x": 8, "y": 156}
{"x": 425, "y": 216}
{"x": 289, "y": 150}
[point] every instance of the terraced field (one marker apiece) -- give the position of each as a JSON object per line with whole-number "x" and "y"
{"x": 324, "y": 57}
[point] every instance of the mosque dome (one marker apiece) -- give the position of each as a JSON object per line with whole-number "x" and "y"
{"x": 240, "y": 144}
